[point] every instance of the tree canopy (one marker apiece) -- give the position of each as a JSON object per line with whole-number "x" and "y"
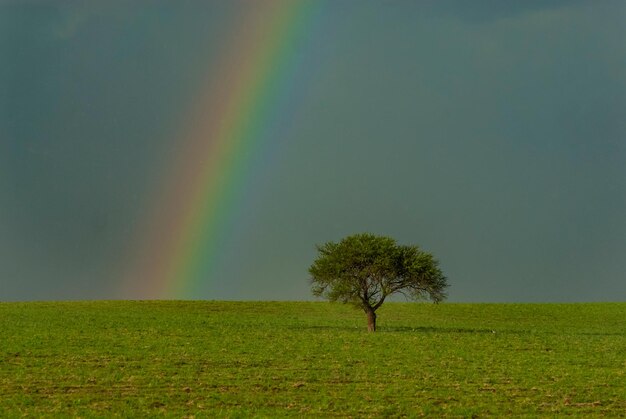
{"x": 364, "y": 269}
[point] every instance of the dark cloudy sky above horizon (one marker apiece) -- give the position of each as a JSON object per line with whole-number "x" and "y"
{"x": 491, "y": 133}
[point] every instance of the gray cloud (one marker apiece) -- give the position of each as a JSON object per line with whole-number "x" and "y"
{"x": 491, "y": 135}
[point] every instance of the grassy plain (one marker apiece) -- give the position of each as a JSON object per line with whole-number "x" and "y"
{"x": 206, "y": 359}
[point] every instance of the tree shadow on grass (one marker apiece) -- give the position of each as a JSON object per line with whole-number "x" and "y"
{"x": 440, "y": 329}
{"x": 407, "y": 329}
{"x": 432, "y": 329}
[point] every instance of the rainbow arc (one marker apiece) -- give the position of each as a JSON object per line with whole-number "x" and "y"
{"x": 178, "y": 246}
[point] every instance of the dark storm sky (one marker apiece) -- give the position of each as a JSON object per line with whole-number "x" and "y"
{"x": 491, "y": 133}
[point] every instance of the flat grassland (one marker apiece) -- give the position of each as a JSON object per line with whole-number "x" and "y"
{"x": 202, "y": 358}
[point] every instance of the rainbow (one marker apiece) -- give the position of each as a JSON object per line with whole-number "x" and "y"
{"x": 178, "y": 246}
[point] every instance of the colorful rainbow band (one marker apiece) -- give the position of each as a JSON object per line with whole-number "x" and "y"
{"x": 179, "y": 241}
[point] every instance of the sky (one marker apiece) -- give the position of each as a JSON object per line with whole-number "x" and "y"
{"x": 491, "y": 134}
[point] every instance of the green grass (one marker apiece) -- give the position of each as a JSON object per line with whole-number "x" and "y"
{"x": 279, "y": 359}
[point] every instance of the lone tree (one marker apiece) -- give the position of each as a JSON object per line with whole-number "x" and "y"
{"x": 364, "y": 269}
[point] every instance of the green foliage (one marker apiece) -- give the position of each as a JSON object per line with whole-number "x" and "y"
{"x": 277, "y": 359}
{"x": 365, "y": 269}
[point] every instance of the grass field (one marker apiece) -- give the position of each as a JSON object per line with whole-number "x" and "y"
{"x": 299, "y": 358}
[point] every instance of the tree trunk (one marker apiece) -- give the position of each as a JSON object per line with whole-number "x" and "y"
{"x": 371, "y": 319}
